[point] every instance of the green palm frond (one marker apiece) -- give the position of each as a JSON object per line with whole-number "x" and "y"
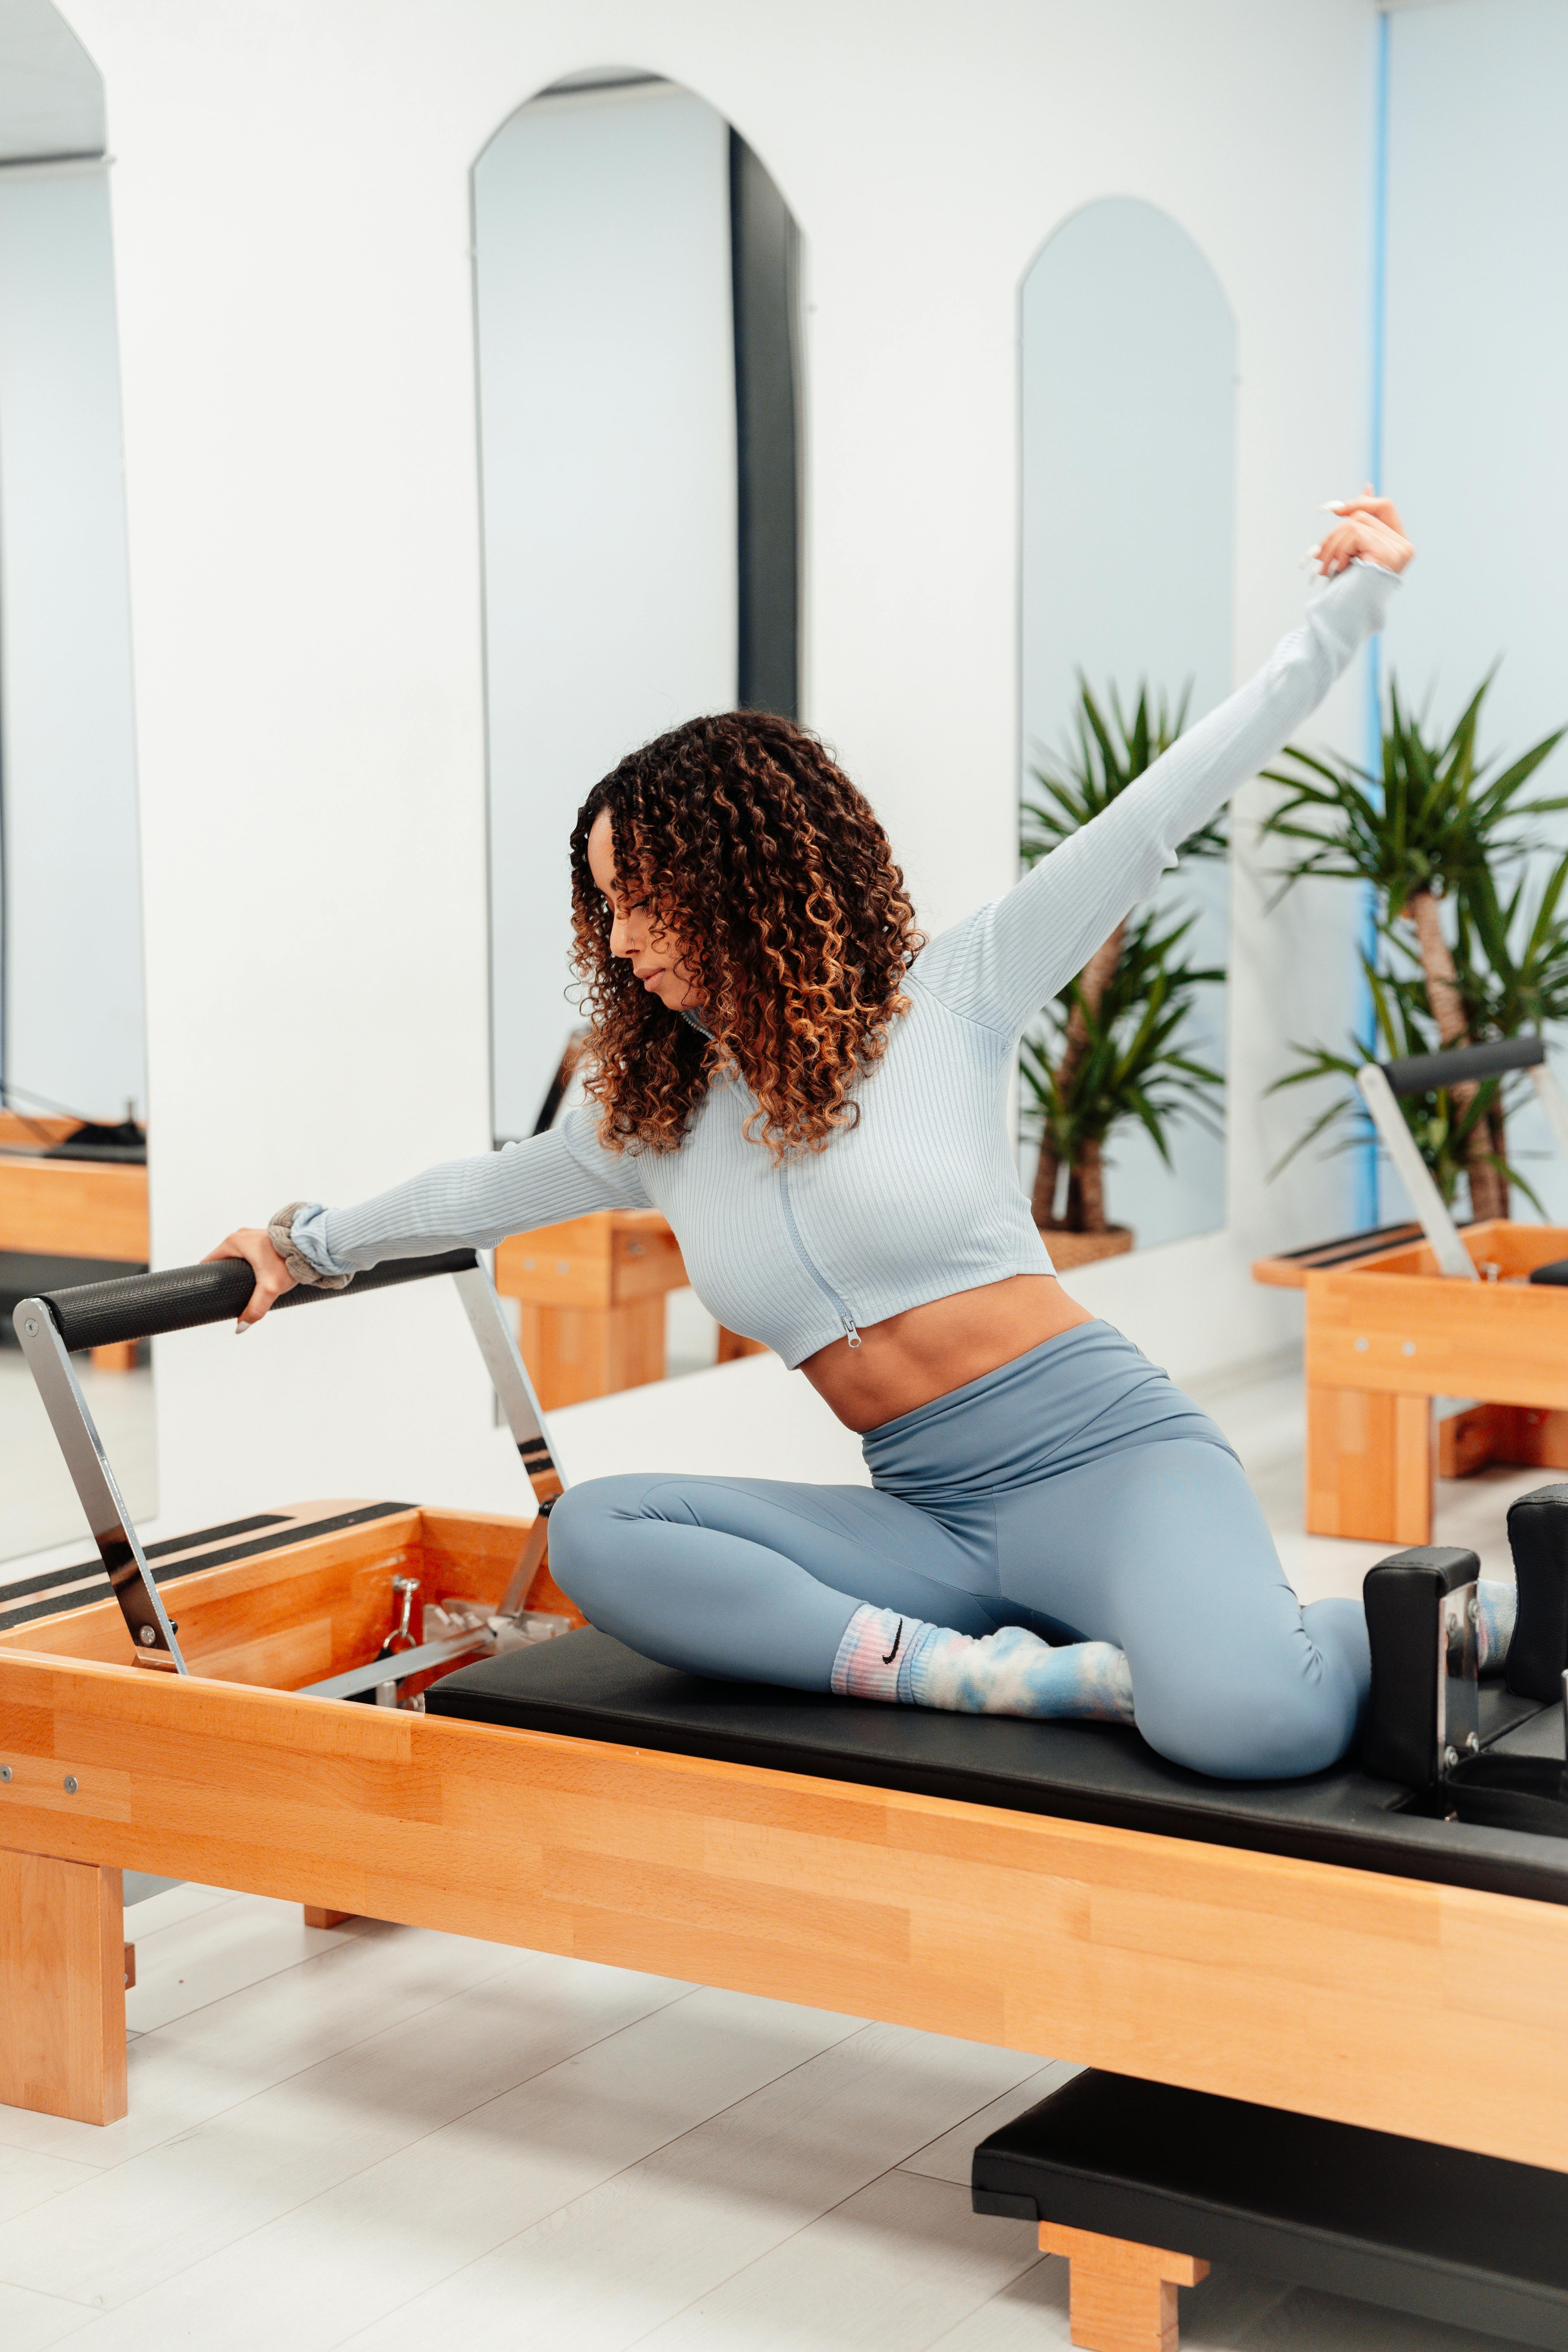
{"x": 1108, "y": 752}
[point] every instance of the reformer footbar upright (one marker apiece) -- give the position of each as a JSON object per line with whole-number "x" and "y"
{"x": 54, "y": 1325}
{"x": 1381, "y": 1083}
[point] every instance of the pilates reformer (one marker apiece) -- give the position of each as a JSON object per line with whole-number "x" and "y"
{"x": 1399, "y": 1316}
{"x": 1311, "y": 1951}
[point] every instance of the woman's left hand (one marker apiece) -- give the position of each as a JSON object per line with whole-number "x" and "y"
{"x": 1371, "y": 529}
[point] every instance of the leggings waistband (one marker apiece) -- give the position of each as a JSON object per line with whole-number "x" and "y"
{"x": 1086, "y": 1394}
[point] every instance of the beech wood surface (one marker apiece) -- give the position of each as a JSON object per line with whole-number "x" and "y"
{"x": 1387, "y": 1333}
{"x": 64, "y": 1968}
{"x": 1297, "y": 1984}
{"x": 1122, "y": 2296}
{"x": 73, "y": 1208}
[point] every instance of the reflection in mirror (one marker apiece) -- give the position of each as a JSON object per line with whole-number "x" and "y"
{"x": 73, "y": 1174}
{"x": 635, "y": 275}
{"x": 1127, "y": 399}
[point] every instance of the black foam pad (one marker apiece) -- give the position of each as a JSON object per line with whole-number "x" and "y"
{"x": 1472, "y": 2240}
{"x": 1538, "y": 1539}
{"x": 587, "y": 1687}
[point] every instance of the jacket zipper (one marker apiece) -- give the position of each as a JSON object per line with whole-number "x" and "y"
{"x": 839, "y": 1308}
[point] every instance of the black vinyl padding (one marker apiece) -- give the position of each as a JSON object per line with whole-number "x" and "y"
{"x": 1419, "y": 1073}
{"x": 1553, "y": 1275}
{"x": 1472, "y": 2240}
{"x": 586, "y": 1686}
{"x": 182, "y": 1298}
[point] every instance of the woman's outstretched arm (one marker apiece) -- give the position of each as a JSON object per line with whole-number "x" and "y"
{"x": 473, "y": 1203}
{"x": 1001, "y": 965}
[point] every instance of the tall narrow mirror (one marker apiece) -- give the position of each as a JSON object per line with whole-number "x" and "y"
{"x": 73, "y": 1174}
{"x": 636, "y": 284}
{"x": 1128, "y": 375}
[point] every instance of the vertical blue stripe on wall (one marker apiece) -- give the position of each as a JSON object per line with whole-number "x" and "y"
{"x": 1366, "y": 1201}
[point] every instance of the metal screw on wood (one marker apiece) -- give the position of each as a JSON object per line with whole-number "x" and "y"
{"x": 72, "y": 1784}
{"x": 1361, "y": 1345}
{"x": 5, "y": 1771}
{"x": 147, "y": 1637}
{"x": 1450, "y": 1757}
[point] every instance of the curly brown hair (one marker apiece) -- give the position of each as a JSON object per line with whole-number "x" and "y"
{"x": 773, "y": 876}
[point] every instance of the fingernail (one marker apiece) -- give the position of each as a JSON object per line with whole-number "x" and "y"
{"x": 1333, "y": 505}
{"x": 240, "y": 1330}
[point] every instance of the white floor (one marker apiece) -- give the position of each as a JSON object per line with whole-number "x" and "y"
{"x": 379, "y": 2136}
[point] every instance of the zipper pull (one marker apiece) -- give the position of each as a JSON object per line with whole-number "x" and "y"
{"x": 850, "y": 1333}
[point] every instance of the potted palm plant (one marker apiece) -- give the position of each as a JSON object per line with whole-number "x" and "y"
{"x": 1109, "y": 1050}
{"x": 1428, "y": 836}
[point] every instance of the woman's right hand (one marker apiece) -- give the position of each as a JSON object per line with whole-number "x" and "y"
{"x": 253, "y": 1244}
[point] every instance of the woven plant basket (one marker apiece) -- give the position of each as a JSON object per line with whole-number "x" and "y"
{"x": 1068, "y": 1250}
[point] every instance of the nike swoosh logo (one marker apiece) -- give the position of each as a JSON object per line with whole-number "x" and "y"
{"x": 898, "y": 1637}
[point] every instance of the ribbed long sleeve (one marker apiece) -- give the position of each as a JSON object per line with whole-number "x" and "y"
{"x": 1001, "y": 964}
{"x": 476, "y": 1202}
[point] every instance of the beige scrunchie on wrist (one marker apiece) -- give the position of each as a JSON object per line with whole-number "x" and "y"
{"x": 280, "y": 1233}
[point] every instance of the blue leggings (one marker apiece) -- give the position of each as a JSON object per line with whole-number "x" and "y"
{"x": 1075, "y": 1491}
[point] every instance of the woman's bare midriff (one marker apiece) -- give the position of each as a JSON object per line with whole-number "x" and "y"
{"x": 928, "y": 1352}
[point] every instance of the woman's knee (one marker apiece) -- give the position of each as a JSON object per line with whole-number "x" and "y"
{"x": 1276, "y": 1716}
{"x": 588, "y": 1531}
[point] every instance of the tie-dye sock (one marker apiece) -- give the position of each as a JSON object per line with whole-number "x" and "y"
{"x": 1499, "y": 1606}
{"x": 885, "y": 1656}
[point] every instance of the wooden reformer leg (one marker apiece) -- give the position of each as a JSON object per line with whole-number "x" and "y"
{"x": 1122, "y": 2296}
{"x": 62, "y": 1987}
{"x": 1369, "y": 1466}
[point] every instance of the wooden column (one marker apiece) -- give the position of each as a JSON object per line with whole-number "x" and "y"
{"x": 62, "y": 1987}
{"x": 1122, "y": 2297}
{"x": 1369, "y": 1466}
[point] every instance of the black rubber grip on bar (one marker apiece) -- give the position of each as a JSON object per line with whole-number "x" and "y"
{"x": 182, "y": 1298}
{"x": 1463, "y": 1065}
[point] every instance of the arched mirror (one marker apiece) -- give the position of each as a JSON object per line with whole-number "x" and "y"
{"x": 73, "y": 1175}
{"x": 636, "y": 284}
{"x": 1128, "y": 375}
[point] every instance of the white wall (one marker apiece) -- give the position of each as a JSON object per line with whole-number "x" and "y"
{"x": 298, "y": 363}
{"x": 1477, "y": 362}
{"x": 607, "y": 437}
{"x": 73, "y": 901}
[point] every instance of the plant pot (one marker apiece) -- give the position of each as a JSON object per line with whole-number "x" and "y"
{"x": 1068, "y": 1250}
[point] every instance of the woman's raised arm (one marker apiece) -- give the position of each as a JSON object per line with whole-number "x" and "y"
{"x": 1000, "y": 966}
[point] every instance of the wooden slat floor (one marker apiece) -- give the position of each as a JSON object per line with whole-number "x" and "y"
{"x": 382, "y": 2135}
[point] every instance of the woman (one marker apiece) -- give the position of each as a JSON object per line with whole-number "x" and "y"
{"x": 815, "y": 1099}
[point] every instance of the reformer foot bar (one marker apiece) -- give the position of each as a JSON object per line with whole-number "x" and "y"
{"x": 53, "y": 1326}
{"x": 1312, "y": 1949}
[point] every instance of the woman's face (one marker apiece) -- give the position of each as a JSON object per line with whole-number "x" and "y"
{"x": 636, "y": 933}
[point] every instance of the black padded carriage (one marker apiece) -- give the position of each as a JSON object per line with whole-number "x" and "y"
{"x": 590, "y": 1687}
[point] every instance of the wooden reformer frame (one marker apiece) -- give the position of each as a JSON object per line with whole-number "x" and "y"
{"x": 1315, "y": 1988}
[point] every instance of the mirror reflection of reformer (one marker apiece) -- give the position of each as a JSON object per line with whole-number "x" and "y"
{"x": 1398, "y": 1317}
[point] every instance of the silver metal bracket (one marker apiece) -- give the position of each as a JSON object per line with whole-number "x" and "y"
{"x": 512, "y": 1386}
{"x": 1459, "y": 1676}
{"x": 1440, "y": 1230}
{"x": 118, "y": 1548}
